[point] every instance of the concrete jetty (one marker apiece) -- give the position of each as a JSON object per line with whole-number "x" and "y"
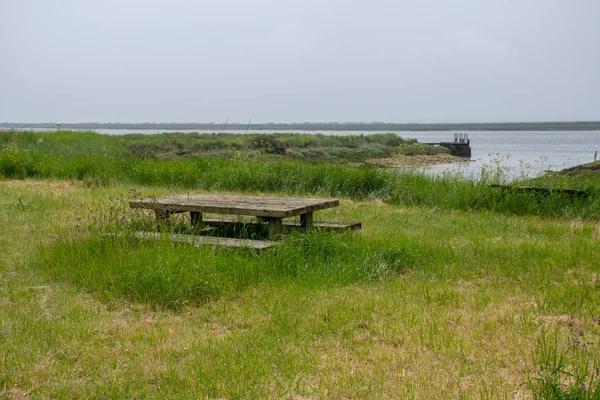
{"x": 460, "y": 147}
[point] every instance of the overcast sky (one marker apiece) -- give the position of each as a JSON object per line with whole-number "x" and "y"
{"x": 296, "y": 61}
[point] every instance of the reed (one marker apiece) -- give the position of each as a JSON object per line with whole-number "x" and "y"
{"x": 101, "y": 160}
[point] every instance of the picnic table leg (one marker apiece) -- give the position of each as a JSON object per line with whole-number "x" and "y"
{"x": 196, "y": 218}
{"x": 162, "y": 217}
{"x": 306, "y": 220}
{"x": 275, "y": 226}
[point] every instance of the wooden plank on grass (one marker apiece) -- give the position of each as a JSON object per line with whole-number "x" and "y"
{"x": 545, "y": 190}
{"x": 333, "y": 225}
{"x": 198, "y": 241}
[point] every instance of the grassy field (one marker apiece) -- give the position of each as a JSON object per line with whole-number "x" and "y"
{"x": 451, "y": 290}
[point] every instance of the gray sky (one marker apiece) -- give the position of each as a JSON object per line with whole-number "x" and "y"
{"x": 295, "y": 61}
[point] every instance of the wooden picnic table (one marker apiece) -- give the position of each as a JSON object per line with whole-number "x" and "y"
{"x": 271, "y": 210}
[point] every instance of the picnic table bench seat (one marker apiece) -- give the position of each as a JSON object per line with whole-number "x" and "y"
{"x": 196, "y": 240}
{"x": 331, "y": 225}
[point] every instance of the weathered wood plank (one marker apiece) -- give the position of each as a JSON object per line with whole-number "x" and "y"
{"x": 277, "y": 207}
{"x": 306, "y": 220}
{"x": 334, "y": 225}
{"x": 275, "y": 226}
{"x": 547, "y": 190}
{"x": 197, "y": 241}
{"x": 196, "y": 218}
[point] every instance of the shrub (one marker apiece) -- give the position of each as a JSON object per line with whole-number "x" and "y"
{"x": 414, "y": 148}
{"x": 269, "y": 144}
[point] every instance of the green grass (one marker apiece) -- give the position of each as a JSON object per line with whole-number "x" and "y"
{"x": 411, "y": 148}
{"x": 100, "y": 160}
{"x": 168, "y": 275}
{"x": 564, "y": 370}
{"x": 61, "y": 143}
{"x": 585, "y": 177}
{"x": 423, "y": 302}
{"x": 451, "y": 290}
{"x": 305, "y": 146}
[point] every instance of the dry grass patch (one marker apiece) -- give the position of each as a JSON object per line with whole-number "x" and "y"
{"x": 52, "y": 186}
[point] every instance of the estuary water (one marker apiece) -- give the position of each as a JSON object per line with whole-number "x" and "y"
{"x": 522, "y": 153}
{"x": 518, "y": 153}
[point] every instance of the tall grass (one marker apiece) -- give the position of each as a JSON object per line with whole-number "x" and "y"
{"x": 96, "y": 160}
{"x": 62, "y": 143}
{"x": 170, "y": 275}
{"x": 449, "y": 192}
{"x": 295, "y": 145}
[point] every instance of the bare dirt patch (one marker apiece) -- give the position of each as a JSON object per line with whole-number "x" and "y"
{"x": 398, "y": 161}
{"x": 54, "y": 186}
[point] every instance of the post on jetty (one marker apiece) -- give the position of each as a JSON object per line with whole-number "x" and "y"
{"x": 461, "y": 147}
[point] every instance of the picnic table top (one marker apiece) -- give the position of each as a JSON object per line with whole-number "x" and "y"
{"x": 275, "y": 207}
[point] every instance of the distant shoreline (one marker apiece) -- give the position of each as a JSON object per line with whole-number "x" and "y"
{"x": 327, "y": 126}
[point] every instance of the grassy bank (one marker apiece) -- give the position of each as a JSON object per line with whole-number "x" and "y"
{"x": 422, "y": 303}
{"x": 586, "y": 176}
{"x": 295, "y": 146}
{"x": 315, "y": 147}
{"x": 103, "y": 161}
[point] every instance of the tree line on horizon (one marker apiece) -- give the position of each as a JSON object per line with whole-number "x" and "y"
{"x": 320, "y": 126}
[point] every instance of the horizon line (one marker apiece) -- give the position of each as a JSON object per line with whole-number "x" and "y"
{"x": 306, "y": 123}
